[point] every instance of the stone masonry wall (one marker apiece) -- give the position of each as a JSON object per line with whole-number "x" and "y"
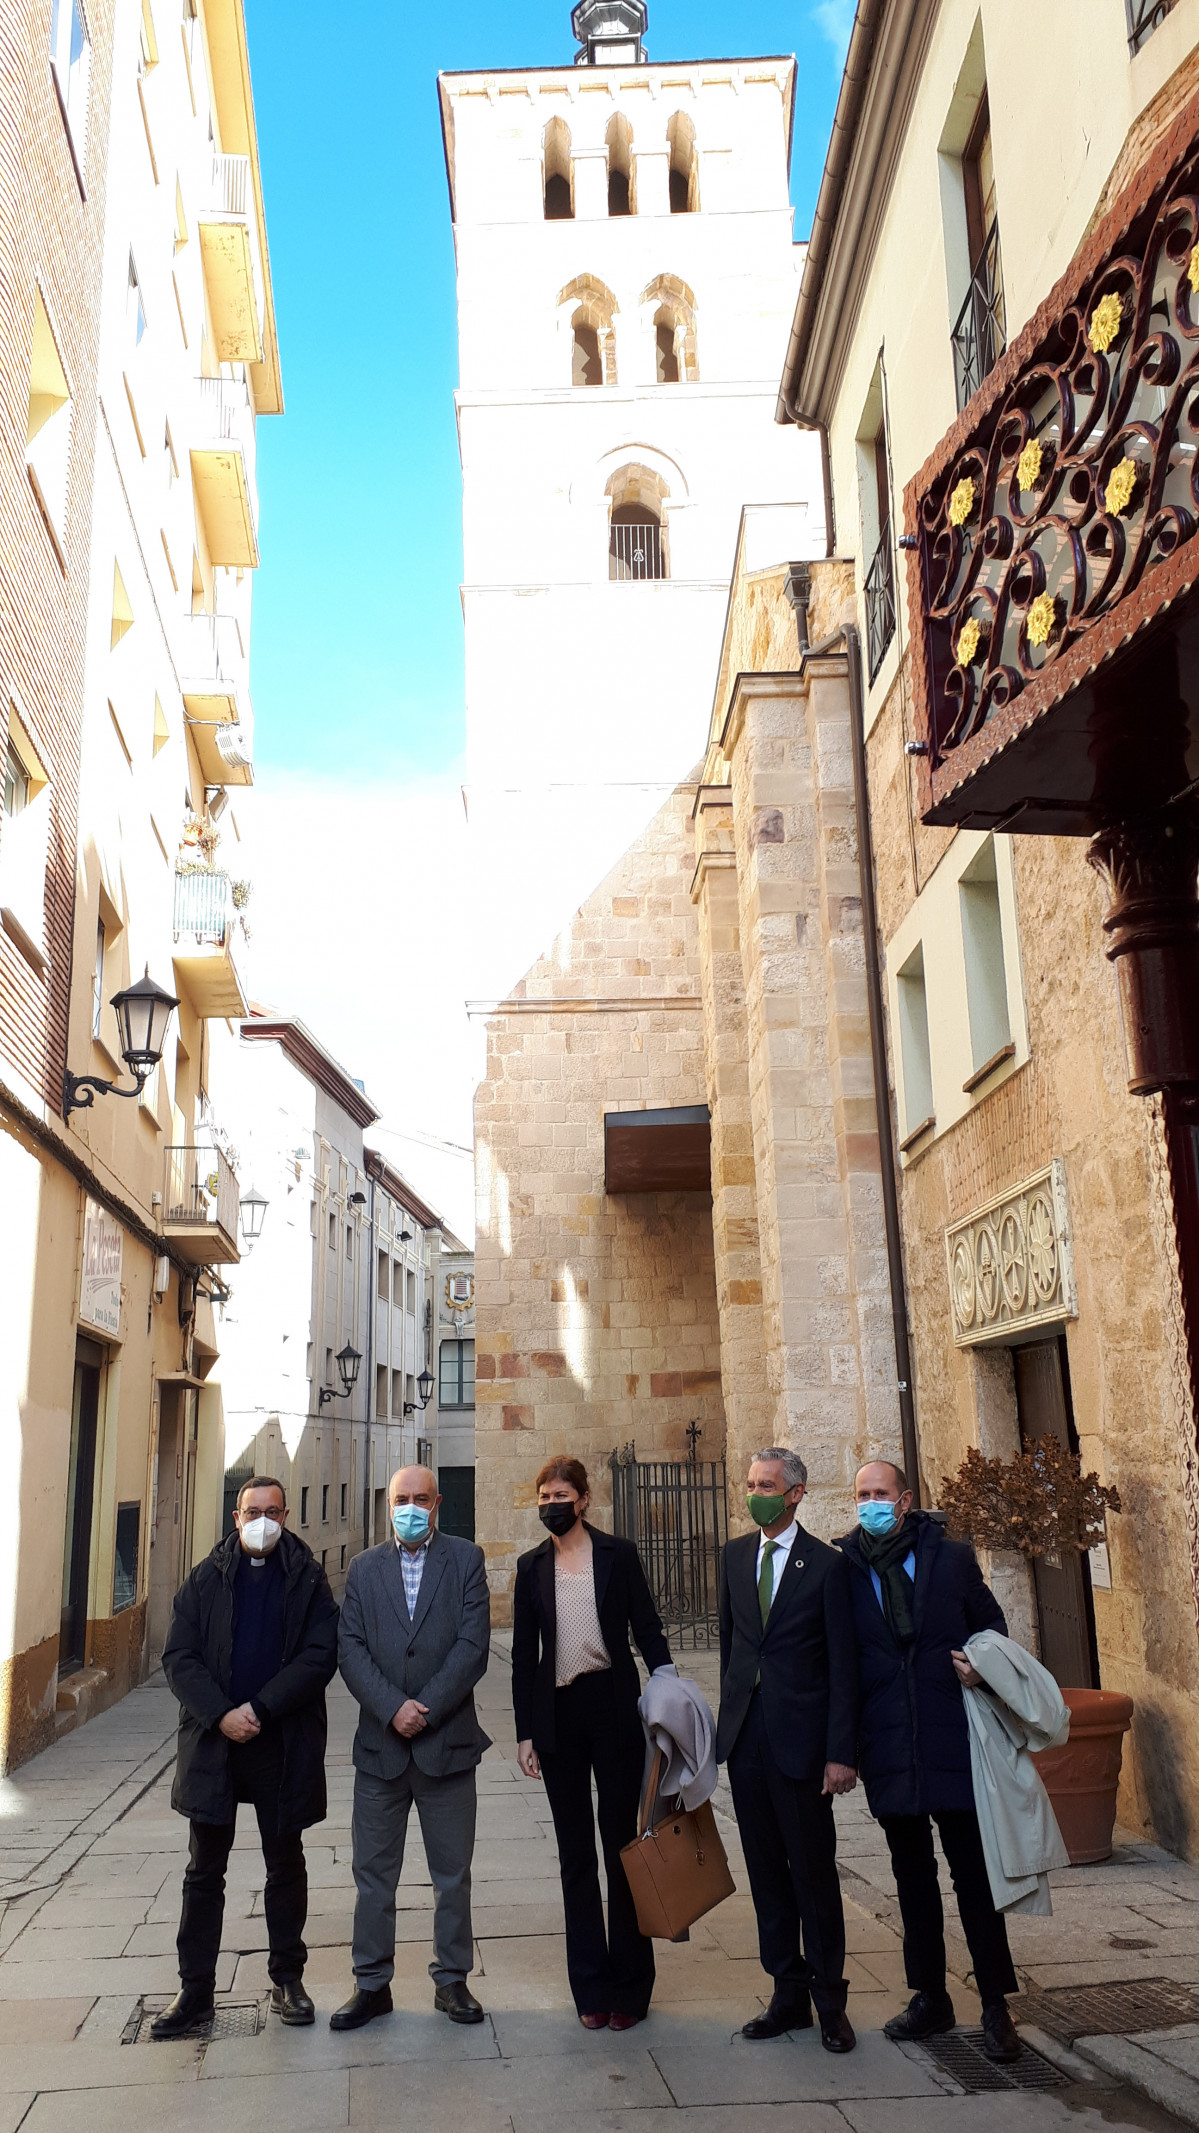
{"x": 1070, "y": 1100}
{"x": 596, "y": 1315}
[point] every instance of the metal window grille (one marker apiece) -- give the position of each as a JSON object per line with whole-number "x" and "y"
{"x": 676, "y": 1513}
{"x": 635, "y": 552}
{"x": 880, "y": 603}
{"x": 980, "y": 334}
{"x": 1144, "y": 16}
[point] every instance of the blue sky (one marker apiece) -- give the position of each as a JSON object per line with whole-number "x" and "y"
{"x": 357, "y": 626}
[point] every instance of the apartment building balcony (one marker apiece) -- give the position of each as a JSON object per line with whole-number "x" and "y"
{"x": 214, "y": 673}
{"x": 233, "y": 276}
{"x": 205, "y": 920}
{"x": 199, "y": 1206}
{"x": 223, "y": 463}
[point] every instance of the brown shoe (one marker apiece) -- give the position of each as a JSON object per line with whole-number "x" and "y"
{"x": 624, "y": 2021}
{"x": 836, "y": 2033}
{"x": 595, "y": 2021}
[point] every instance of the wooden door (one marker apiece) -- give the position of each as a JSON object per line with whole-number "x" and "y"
{"x": 1065, "y": 1615}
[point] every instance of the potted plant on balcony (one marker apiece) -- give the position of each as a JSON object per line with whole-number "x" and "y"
{"x": 1042, "y": 1504}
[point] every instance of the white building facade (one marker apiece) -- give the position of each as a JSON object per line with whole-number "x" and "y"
{"x": 342, "y": 1269}
{"x": 626, "y": 278}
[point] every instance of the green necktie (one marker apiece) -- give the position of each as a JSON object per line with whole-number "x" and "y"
{"x": 766, "y": 1580}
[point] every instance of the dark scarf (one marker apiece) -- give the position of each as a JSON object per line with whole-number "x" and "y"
{"x": 886, "y": 1556}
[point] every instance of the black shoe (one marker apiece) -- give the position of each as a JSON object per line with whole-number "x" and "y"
{"x": 787, "y": 2010}
{"x": 927, "y": 2014}
{"x": 458, "y": 2002}
{"x": 292, "y": 2004}
{"x": 191, "y": 2009}
{"x": 999, "y": 2032}
{"x": 836, "y": 2032}
{"x": 362, "y": 2006}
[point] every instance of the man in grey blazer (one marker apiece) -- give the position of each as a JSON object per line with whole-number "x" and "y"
{"x": 414, "y": 1638}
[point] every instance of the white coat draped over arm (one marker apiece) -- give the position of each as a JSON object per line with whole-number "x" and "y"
{"x": 1018, "y": 1710}
{"x": 677, "y": 1720}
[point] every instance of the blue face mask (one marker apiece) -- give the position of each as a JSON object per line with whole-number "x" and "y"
{"x": 877, "y": 1519}
{"x": 411, "y": 1521}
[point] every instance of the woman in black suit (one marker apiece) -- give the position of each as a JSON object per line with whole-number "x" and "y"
{"x": 575, "y": 1688}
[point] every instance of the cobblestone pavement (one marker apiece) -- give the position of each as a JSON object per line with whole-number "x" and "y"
{"x": 90, "y": 1860}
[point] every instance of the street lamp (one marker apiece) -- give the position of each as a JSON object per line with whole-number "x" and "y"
{"x": 347, "y": 1365}
{"x": 143, "y": 1012}
{"x": 424, "y": 1386}
{"x": 252, "y": 1214}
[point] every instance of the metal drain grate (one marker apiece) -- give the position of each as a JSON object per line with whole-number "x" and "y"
{"x": 244, "y": 2018}
{"x": 1119, "y": 2010}
{"x": 960, "y": 2054}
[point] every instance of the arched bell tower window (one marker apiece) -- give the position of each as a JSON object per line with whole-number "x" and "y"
{"x": 637, "y": 546}
{"x": 559, "y": 182}
{"x": 592, "y": 338}
{"x": 587, "y": 364}
{"x": 676, "y": 357}
{"x": 684, "y": 185}
{"x": 620, "y": 165}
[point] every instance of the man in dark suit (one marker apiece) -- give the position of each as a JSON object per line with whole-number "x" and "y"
{"x": 415, "y": 1634}
{"x": 788, "y": 1731}
{"x": 917, "y": 1596}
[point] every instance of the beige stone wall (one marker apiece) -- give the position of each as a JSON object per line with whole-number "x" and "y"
{"x": 1070, "y": 1100}
{"x": 596, "y": 1315}
{"x": 828, "y": 1340}
{"x": 748, "y": 1403}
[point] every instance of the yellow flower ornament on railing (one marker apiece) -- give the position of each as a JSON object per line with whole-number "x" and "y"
{"x": 1193, "y": 270}
{"x": 961, "y": 503}
{"x": 1105, "y": 322}
{"x": 968, "y": 639}
{"x": 1121, "y": 483}
{"x": 1041, "y": 617}
{"x": 1028, "y": 466}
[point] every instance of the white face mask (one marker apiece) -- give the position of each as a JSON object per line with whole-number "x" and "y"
{"x": 260, "y": 1535}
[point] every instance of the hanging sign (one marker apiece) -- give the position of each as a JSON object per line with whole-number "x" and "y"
{"x": 100, "y": 1283}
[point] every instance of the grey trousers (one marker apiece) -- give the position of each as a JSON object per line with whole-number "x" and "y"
{"x": 446, "y": 1807}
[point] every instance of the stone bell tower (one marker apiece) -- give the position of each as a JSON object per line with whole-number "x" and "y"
{"x": 626, "y": 280}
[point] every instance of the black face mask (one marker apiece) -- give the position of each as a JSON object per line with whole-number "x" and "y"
{"x": 559, "y": 1517}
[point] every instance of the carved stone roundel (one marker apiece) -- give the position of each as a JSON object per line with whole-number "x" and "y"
{"x": 963, "y": 1283}
{"x": 986, "y": 1259}
{"x": 1042, "y": 1246}
{"x": 1013, "y": 1263}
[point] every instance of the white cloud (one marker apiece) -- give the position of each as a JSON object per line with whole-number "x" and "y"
{"x": 834, "y": 19}
{"x": 360, "y": 918}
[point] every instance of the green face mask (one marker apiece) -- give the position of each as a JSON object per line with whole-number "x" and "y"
{"x": 765, "y": 1510}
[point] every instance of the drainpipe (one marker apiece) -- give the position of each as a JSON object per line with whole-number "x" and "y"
{"x": 372, "y": 1294}
{"x": 796, "y": 592}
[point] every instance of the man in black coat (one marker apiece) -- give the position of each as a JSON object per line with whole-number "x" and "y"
{"x": 917, "y": 1597}
{"x": 251, "y": 1650}
{"x": 788, "y": 1731}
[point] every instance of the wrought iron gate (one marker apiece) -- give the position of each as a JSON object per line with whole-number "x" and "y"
{"x": 676, "y": 1513}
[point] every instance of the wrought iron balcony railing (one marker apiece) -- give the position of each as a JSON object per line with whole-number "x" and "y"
{"x": 980, "y": 335}
{"x": 635, "y": 552}
{"x": 203, "y": 908}
{"x": 200, "y": 1190}
{"x": 1144, "y": 16}
{"x": 880, "y": 603}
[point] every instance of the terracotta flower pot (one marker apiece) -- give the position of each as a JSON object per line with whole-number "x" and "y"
{"x": 1081, "y": 1777}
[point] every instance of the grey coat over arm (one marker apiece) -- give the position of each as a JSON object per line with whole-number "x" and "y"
{"x": 436, "y": 1656}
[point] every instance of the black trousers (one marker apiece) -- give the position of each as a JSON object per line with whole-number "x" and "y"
{"x": 790, "y": 1842}
{"x": 914, "y": 1862}
{"x": 256, "y": 1768}
{"x": 593, "y": 1732}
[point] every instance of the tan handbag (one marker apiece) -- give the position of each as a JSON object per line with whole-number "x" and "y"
{"x": 676, "y": 1867}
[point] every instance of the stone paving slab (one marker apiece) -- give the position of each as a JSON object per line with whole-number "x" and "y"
{"x": 89, "y": 1830}
{"x": 791, "y": 2070}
